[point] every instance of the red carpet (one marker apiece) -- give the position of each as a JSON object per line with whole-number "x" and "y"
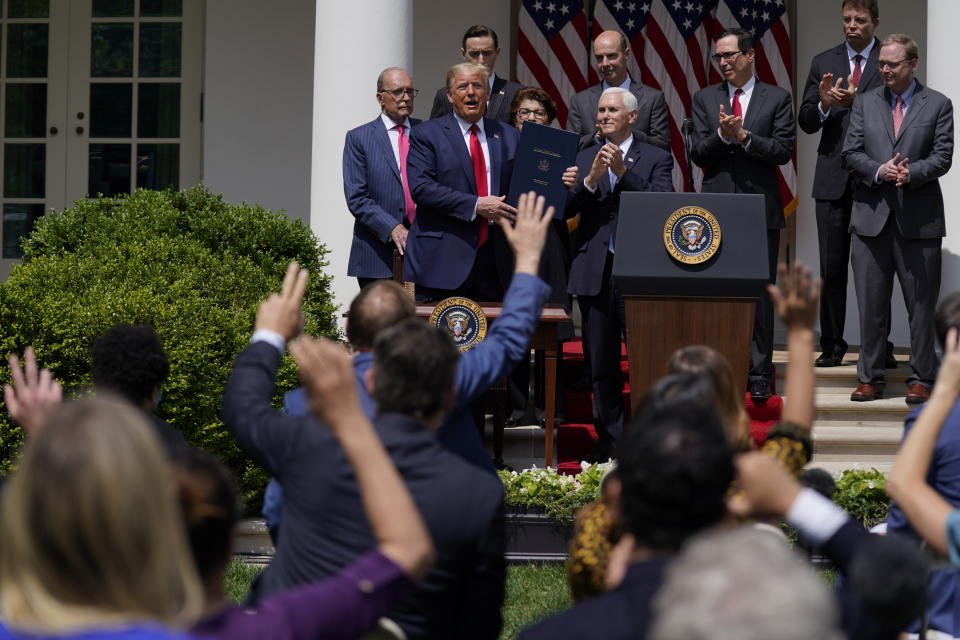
{"x": 576, "y": 437}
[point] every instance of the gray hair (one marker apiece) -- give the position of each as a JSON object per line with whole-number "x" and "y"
{"x": 384, "y": 73}
{"x": 742, "y": 584}
{"x": 629, "y": 100}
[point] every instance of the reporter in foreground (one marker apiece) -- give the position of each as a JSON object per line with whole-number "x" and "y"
{"x": 349, "y": 603}
{"x": 91, "y": 540}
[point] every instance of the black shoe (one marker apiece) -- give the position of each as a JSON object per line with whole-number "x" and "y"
{"x": 759, "y": 389}
{"x": 601, "y": 453}
{"x": 829, "y": 360}
{"x": 890, "y": 362}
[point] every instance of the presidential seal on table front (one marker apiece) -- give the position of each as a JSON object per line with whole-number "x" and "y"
{"x": 463, "y": 319}
{"x": 691, "y": 235}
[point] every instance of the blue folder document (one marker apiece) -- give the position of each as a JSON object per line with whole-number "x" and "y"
{"x": 542, "y": 156}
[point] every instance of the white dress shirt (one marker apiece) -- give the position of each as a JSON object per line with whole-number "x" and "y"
{"x": 481, "y": 134}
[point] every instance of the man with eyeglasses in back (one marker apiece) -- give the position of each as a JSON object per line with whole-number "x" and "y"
{"x": 480, "y": 45}
{"x": 375, "y": 180}
{"x": 898, "y": 144}
{"x": 743, "y": 129}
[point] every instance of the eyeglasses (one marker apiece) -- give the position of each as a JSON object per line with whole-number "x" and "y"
{"x": 398, "y": 93}
{"x": 890, "y": 65}
{"x": 526, "y": 113}
{"x": 726, "y": 55}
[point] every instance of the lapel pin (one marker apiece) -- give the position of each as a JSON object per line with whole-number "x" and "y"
{"x": 497, "y": 136}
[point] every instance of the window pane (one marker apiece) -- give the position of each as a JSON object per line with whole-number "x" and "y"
{"x": 111, "y": 110}
{"x": 29, "y": 9}
{"x": 109, "y": 169}
{"x": 158, "y": 166}
{"x": 18, "y": 220}
{"x": 161, "y": 8}
{"x": 24, "y": 170}
{"x": 112, "y": 8}
{"x": 27, "y": 50}
{"x": 160, "y": 50}
{"x": 111, "y": 50}
{"x": 158, "y": 110}
{"x": 26, "y": 111}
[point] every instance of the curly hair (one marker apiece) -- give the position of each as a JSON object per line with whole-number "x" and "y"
{"x": 129, "y": 360}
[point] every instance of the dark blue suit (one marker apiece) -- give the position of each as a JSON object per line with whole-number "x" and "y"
{"x": 649, "y": 168}
{"x": 625, "y": 612}
{"x": 505, "y": 345}
{"x": 325, "y": 527}
{"x": 374, "y": 193}
{"x": 442, "y": 245}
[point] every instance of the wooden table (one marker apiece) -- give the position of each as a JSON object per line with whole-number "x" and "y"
{"x": 545, "y": 339}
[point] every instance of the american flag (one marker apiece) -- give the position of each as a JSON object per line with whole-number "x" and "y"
{"x": 671, "y": 42}
{"x": 554, "y": 53}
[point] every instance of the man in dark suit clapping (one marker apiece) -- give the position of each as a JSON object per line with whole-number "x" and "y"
{"x": 836, "y": 76}
{"x": 743, "y": 129}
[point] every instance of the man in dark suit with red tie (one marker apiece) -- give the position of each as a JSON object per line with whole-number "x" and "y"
{"x": 459, "y": 170}
{"x": 743, "y": 129}
{"x": 836, "y": 76}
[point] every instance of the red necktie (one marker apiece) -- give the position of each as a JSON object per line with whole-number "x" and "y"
{"x": 897, "y": 116}
{"x": 404, "y": 143}
{"x": 737, "y": 109}
{"x": 480, "y": 175}
{"x": 857, "y": 70}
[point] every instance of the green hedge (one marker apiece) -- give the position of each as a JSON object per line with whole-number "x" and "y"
{"x": 863, "y": 494}
{"x": 186, "y": 262}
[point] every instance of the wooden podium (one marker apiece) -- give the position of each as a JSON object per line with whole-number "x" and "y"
{"x": 669, "y": 304}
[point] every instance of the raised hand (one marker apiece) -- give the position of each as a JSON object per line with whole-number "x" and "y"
{"x": 730, "y": 125}
{"x": 826, "y": 86}
{"x": 767, "y": 489}
{"x": 795, "y": 299}
{"x": 841, "y": 96}
{"x": 34, "y": 393}
{"x": 281, "y": 312}
{"x": 529, "y": 234}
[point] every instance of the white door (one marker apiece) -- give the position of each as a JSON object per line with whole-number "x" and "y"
{"x": 96, "y": 97}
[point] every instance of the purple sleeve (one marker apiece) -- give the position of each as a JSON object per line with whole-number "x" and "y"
{"x": 344, "y": 606}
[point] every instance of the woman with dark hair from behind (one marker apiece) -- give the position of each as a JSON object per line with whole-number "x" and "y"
{"x": 350, "y": 603}
{"x": 91, "y": 544}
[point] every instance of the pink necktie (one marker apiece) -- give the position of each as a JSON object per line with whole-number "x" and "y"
{"x": 480, "y": 175}
{"x": 737, "y": 109}
{"x": 404, "y": 144}
{"x": 857, "y": 70}
{"x": 897, "y": 116}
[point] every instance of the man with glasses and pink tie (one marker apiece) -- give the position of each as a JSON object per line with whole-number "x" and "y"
{"x": 898, "y": 144}
{"x": 743, "y": 129}
{"x": 375, "y": 179}
{"x": 836, "y": 76}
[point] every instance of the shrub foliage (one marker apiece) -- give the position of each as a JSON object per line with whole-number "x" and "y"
{"x": 186, "y": 262}
{"x": 863, "y": 494}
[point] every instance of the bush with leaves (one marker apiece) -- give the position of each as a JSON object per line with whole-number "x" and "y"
{"x": 186, "y": 262}
{"x": 863, "y": 494}
{"x": 556, "y": 494}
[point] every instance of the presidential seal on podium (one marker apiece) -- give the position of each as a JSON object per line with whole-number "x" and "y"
{"x": 691, "y": 235}
{"x": 463, "y": 319}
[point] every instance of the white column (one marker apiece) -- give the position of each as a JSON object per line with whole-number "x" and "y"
{"x": 355, "y": 41}
{"x": 942, "y": 18}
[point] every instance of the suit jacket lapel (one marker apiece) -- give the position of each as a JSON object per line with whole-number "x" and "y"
{"x": 496, "y": 97}
{"x": 916, "y": 106}
{"x": 871, "y": 74}
{"x": 885, "y": 112}
{"x": 495, "y": 149}
{"x": 755, "y": 104}
{"x": 455, "y": 136}
{"x": 383, "y": 139}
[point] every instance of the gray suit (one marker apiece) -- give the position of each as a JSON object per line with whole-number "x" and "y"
{"x": 898, "y": 229}
{"x": 652, "y": 125}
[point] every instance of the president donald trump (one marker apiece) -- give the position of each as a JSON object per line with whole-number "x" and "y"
{"x": 459, "y": 170}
